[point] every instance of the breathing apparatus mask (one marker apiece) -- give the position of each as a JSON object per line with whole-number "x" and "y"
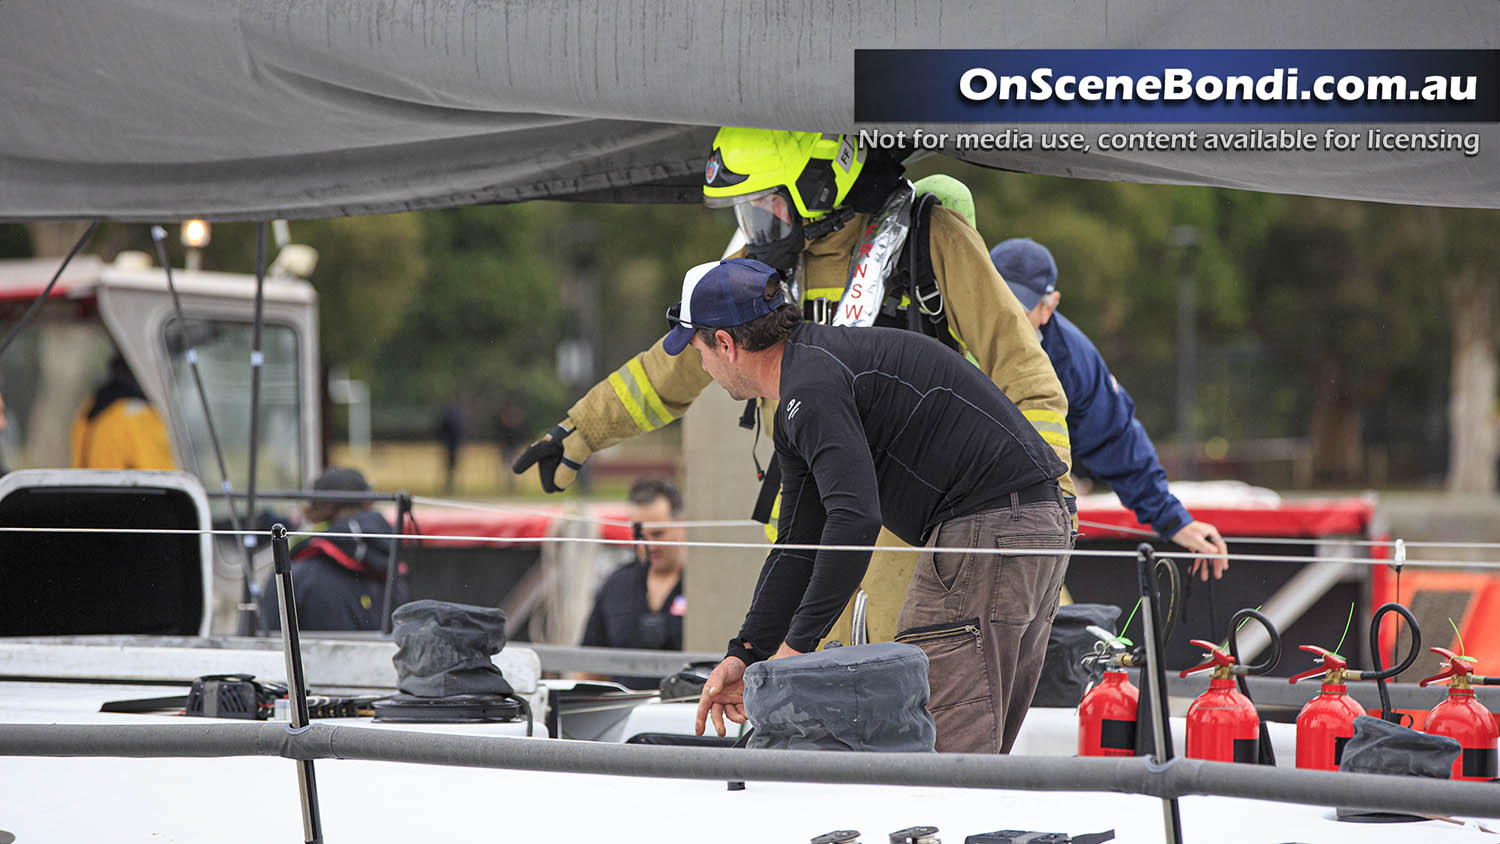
{"x": 789, "y": 188}
{"x": 771, "y": 225}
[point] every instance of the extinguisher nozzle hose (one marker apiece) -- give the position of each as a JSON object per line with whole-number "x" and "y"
{"x": 1266, "y": 754}
{"x": 1379, "y": 675}
{"x": 1273, "y": 650}
{"x": 1411, "y": 656}
{"x": 1166, "y": 567}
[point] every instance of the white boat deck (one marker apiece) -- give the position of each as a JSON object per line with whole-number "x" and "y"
{"x": 255, "y": 799}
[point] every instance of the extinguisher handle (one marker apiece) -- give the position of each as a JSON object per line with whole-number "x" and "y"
{"x": 1331, "y": 662}
{"x": 1217, "y": 657}
{"x": 1455, "y": 667}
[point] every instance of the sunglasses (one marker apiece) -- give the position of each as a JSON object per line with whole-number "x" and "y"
{"x": 674, "y": 319}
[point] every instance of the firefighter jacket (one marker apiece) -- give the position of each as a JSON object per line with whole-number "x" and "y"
{"x": 653, "y": 388}
{"x": 127, "y": 434}
{"x": 1109, "y": 442}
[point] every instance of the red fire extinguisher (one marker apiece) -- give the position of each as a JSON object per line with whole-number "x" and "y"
{"x": 1110, "y": 709}
{"x": 1326, "y": 723}
{"x": 1107, "y": 714}
{"x": 1222, "y": 725}
{"x": 1459, "y": 716}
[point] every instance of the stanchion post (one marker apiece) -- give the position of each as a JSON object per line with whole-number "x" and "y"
{"x": 393, "y": 561}
{"x": 1156, "y": 683}
{"x": 307, "y": 784}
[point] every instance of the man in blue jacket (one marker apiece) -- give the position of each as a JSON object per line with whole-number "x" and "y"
{"x": 1107, "y": 438}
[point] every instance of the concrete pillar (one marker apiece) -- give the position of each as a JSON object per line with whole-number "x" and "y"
{"x": 719, "y": 483}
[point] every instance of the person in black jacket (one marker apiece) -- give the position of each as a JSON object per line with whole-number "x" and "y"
{"x": 338, "y": 581}
{"x": 641, "y": 604}
{"x": 884, "y": 426}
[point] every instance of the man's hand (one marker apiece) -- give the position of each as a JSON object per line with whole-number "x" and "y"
{"x": 723, "y": 694}
{"x": 1203, "y": 538}
{"x": 785, "y": 650}
{"x": 557, "y": 457}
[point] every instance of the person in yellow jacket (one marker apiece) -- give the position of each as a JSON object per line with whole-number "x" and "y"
{"x": 117, "y": 428}
{"x": 832, "y": 216}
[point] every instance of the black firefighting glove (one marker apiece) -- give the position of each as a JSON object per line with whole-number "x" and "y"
{"x": 557, "y": 457}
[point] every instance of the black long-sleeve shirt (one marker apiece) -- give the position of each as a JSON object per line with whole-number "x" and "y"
{"x": 877, "y": 425}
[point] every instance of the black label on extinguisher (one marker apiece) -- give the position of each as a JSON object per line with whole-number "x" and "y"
{"x": 1480, "y": 762}
{"x": 1117, "y": 735}
{"x": 1247, "y": 750}
{"x": 1338, "y": 748}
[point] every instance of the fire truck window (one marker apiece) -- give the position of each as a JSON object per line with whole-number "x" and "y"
{"x": 223, "y": 350}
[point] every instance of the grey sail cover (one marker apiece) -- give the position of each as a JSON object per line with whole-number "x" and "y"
{"x": 863, "y": 697}
{"x": 249, "y": 109}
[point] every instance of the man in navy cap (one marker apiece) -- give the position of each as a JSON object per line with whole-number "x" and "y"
{"x": 884, "y": 426}
{"x": 1107, "y": 438}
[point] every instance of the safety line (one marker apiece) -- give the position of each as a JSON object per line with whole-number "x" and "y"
{"x": 761, "y": 546}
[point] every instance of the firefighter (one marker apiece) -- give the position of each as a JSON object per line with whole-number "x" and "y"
{"x": 118, "y": 428}
{"x": 836, "y": 219}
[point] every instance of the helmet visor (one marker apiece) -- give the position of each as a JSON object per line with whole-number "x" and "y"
{"x": 767, "y": 216}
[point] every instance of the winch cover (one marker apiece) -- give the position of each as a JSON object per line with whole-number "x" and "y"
{"x": 444, "y": 649}
{"x": 1380, "y": 747}
{"x": 865, "y": 697}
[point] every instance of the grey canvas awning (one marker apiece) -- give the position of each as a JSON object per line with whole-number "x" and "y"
{"x": 245, "y": 109}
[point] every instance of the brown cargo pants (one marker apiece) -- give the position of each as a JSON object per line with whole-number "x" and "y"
{"x": 983, "y": 620}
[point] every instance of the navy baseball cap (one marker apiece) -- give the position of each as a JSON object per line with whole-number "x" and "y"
{"x": 1027, "y": 267}
{"x": 720, "y": 295}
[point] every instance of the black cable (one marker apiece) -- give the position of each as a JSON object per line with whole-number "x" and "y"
{"x": 1273, "y": 649}
{"x": 1396, "y": 643}
{"x": 752, "y": 411}
{"x": 1267, "y": 753}
{"x": 1213, "y": 615}
{"x": 530, "y": 717}
{"x": 1380, "y": 675}
{"x": 36, "y": 303}
{"x": 416, "y": 529}
{"x": 1174, "y": 592}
